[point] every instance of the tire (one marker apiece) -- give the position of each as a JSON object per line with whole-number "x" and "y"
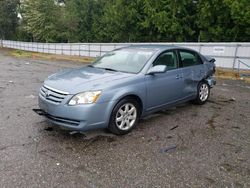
{"x": 125, "y": 116}
{"x": 203, "y": 92}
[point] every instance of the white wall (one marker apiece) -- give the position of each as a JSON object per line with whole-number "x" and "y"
{"x": 227, "y": 55}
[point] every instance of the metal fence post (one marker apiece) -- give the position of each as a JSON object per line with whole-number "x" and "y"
{"x": 89, "y": 48}
{"x": 79, "y": 49}
{"x": 200, "y": 48}
{"x": 70, "y": 48}
{"x": 100, "y": 49}
{"x": 235, "y": 55}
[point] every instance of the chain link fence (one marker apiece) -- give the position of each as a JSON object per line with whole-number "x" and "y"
{"x": 227, "y": 55}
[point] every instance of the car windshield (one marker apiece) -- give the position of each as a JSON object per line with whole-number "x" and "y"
{"x": 125, "y": 60}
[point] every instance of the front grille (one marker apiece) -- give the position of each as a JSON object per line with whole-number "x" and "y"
{"x": 52, "y": 95}
{"x": 63, "y": 120}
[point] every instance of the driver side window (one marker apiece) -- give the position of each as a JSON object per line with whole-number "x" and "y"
{"x": 167, "y": 58}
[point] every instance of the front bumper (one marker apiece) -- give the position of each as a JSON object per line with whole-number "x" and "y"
{"x": 78, "y": 118}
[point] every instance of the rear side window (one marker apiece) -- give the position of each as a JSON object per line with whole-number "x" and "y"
{"x": 167, "y": 58}
{"x": 189, "y": 58}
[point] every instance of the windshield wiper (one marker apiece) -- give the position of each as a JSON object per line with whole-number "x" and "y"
{"x": 109, "y": 69}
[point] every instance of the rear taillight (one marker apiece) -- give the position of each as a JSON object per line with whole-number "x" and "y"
{"x": 214, "y": 70}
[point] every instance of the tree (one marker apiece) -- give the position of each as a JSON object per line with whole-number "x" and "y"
{"x": 8, "y": 18}
{"x": 79, "y": 16}
{"x": 240, "y": 15}
{"x": 126, "y": 20}
{"x": 43, "y": 19}
{"x": 224, "y": 20}
{"x": 119, "y": 22}
{"x": 168, "y": 20}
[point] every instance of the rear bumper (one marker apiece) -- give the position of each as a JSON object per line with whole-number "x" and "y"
{"x": 78, "y": 118}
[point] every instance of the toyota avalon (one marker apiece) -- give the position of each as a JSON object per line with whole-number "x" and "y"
{"x": 124, "y": 85}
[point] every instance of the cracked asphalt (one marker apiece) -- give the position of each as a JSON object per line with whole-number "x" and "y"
{"x": 185, "y": 146}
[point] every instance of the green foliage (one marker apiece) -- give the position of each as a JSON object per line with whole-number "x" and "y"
{"x": 126, "y": 20}
{"x": 43, "y": 20}
{"x": 8, "y": 18}
{"x": 80, "y": 18}
{"x": 224, "y": 20}
{"x": 240, "y": 15}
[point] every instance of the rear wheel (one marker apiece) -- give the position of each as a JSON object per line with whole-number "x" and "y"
{"x": 125, "y": 116}
{"x": 203, "y": 92}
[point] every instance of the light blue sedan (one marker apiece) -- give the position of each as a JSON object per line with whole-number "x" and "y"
{"x": 124, "y": 85}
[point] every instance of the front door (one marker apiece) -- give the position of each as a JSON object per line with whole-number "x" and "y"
{"x": 164, "y": 88}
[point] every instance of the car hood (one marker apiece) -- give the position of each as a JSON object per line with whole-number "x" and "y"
{"x": 84, "y": 79}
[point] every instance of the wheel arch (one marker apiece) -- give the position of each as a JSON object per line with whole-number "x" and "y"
{"x": 135, "y": 97}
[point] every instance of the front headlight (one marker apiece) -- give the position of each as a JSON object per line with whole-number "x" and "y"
{"x": 85, "y": 98}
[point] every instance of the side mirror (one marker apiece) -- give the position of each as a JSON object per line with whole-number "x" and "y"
{"x": 158, "y": 69}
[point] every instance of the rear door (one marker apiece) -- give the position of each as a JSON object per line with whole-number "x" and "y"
{"x": 164, "y": 88}
{"x": 193, "y": 70}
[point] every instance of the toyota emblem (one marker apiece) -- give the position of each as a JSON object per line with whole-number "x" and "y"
{"x": 47, "y": 93}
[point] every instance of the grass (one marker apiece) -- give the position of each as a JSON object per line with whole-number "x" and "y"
{"x": 232, "y": 74}
{"x": 45, "y": 56}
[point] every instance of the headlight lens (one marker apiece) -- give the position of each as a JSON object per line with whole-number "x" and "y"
{"x": 85, "y": 98}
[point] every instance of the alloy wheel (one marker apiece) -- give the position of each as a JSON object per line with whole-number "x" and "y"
{"x": 204, "y": 92}
{"x": 126, "y": 116}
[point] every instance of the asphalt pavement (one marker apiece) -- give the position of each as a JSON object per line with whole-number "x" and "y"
{"x": 185, "y": 146}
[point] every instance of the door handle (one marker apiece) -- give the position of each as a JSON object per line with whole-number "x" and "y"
{"x": 178, "y": 76}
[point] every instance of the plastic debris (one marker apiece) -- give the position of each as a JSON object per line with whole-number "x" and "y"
{"x": 57, "y": 164}
{"x": 10, "y": 81}
{"x": 49, "y": 129}
{"x": 30, "y": 97}
{"x": 168, "y": 149}
{"x": 27, "y": 63}
{"x": 174, "y": 127}
{"x": 73, "y": 132}
{"x": 232, "y": 99}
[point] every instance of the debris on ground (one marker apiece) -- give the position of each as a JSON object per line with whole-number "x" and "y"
{"x": 73, "y": 132}
{"x": 232, "y": 99}
{"x": 228, "y": 100}
{"x": 49, "y": 129}
{"x": 174, "y": 127}
{"x": 30, "y": 97}
{"x": 168, "y": 149}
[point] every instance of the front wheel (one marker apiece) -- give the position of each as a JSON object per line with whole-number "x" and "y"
{"x": 203, "y": 92}
{"x": 124, "y": 116}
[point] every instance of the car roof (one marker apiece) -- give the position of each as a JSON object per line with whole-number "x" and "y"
{"x": 156, "y": 47}
{"x": 151, "y": 46}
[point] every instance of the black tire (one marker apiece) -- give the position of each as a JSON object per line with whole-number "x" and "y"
{"x": 202, "y": 98}
{"x": 114, "y": 126}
